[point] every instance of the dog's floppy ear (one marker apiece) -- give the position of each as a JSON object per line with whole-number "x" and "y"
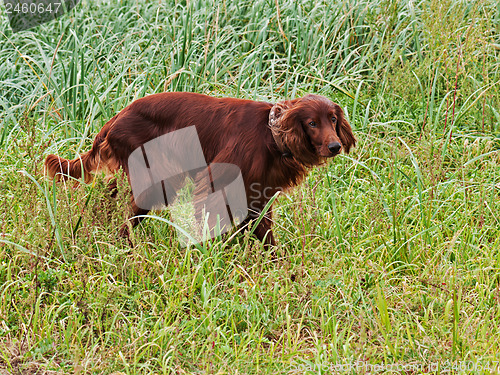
{"x": 345, "y": 134}
{"x": 280, "y": 113}
{"x": 281, "y": 123}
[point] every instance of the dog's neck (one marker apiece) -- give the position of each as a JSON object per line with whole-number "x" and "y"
{"x": 276, "y": 132}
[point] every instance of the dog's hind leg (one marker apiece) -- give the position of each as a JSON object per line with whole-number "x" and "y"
{"x": 134, "y": 220}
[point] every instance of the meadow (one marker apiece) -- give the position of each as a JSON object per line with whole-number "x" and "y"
{"x": 388, "y": 258}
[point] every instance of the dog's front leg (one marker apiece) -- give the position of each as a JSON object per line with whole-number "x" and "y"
{"x": 263, "y": 231}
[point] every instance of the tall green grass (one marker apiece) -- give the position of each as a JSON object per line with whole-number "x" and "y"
{"x": 386, "y": 256}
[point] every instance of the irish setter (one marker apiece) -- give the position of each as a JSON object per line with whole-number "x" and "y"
{"x": 274, "y": 145}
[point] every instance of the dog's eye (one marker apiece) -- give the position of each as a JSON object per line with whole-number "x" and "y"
{"x": 312, "y": 124}
{"x": 334, "y": 119}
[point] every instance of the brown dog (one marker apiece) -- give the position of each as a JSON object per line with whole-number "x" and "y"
{"x": 272, "y": 144}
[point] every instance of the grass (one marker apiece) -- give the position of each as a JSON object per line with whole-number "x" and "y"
{"x": 387, "y": 257}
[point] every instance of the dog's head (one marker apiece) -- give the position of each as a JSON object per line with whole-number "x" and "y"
{"x": 311, "y": 129}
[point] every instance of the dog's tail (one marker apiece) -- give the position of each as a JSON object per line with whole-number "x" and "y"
{"x": 90, "y": 161}
{"x": 59, "y": 168}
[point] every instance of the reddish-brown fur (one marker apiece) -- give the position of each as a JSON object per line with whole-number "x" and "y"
{"x": 231, "y": 131}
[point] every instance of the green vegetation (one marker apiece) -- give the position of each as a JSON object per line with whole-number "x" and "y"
{"x": 389, "y": 255}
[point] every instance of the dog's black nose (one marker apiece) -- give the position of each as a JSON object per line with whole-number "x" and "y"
{"x": 334, "y": 147}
